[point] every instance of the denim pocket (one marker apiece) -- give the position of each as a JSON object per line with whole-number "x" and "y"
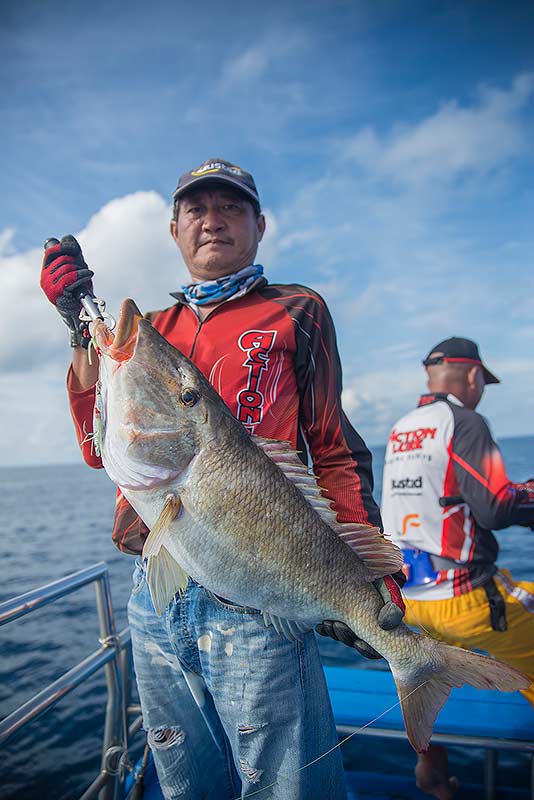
{"x": 221, "y": 601}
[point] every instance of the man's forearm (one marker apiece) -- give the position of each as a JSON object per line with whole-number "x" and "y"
{"x": 83, "y": 374}
{"x": 81, "y": 380}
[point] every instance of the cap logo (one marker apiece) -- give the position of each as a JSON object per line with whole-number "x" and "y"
{"x": 217, "y": 166}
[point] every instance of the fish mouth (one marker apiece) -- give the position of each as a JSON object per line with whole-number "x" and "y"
{"x": 119, "y": 346}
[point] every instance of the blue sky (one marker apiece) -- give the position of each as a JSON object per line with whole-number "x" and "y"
{"x": 392, "y": 143}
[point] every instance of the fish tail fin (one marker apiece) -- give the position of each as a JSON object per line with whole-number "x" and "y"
{"x": 422, "y": 696}
{"x": 165, "y": 577}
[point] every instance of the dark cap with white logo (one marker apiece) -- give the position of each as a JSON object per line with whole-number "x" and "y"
{"x": 458, "y": 351}
{"x": 216, "y": 170}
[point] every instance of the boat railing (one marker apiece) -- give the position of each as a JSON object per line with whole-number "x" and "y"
{"x": 113, "y": 655}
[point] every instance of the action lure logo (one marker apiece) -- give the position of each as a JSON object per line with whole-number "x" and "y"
{"x": 250, "y": 401}
{"x": 403, "y": 441}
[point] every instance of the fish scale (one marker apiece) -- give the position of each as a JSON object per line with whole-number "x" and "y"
{"x": 276, "y": 544}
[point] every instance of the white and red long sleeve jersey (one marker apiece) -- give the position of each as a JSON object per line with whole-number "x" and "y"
{"x": 442, "y": 451}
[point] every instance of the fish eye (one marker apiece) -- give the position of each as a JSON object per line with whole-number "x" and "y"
{"x": 189, "y": 396}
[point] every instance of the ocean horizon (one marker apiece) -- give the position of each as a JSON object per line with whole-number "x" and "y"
{"x": 374, "y": 448}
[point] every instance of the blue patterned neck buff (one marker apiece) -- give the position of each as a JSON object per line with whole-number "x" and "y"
{"x": 234, "y": 285}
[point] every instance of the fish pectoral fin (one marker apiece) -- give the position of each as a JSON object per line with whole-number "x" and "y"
{"x": 290, "y": 628}
{"x": 169, "y": 512}
{"x": 165, "y": 577}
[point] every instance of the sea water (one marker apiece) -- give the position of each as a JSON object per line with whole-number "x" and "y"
{"x": 56, "y": 520}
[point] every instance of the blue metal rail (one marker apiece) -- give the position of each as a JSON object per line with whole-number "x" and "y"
{"x": 113, "y": 655}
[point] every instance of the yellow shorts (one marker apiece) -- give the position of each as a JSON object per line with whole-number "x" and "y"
{"x": 465, "y": 622}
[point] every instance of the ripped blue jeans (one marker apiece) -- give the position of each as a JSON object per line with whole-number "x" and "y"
{"x": 262, "y": 709}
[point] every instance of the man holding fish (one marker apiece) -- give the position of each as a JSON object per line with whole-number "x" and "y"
{"x": 234, "y": 699}
{"x": 242, "y": 553}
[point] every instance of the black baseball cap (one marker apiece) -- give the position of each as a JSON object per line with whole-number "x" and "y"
{"x": 460, "y": 351}
{"x": 218, "y": 170}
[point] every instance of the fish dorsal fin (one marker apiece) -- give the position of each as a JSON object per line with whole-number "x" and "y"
{"x": 380, "y": 555}
{"x": 164, "y": 575}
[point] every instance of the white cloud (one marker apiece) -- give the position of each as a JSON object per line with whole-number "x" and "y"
{"x": 6, "y": 242}
{"x": 375, "y": 398}
{"x": 454, "y": 140}
{"x": 36, "y": 425}
{"x": 248, "y": 66}
{"x": 269, "y": 244}
{"x": 128, "y": 246}
{"x": 262, "y": 60}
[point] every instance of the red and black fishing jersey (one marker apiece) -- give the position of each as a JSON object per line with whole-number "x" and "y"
{"x": 272, "y": 356}
{"x": 444, "y": 488}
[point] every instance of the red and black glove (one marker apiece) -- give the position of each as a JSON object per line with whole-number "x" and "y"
{"x": 390, "y": 616}
{"x": 525, "y": 508}
{"x": 393, "y": 610}
{"x": 63, "y": 275}
{"x": 527, "y": 491}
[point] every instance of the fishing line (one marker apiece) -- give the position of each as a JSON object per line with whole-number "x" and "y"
{"x": 340, "y": 743}
{"x": 418, "y": 621}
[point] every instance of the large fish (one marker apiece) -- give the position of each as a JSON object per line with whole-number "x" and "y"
{"x": 244, "y": 518}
